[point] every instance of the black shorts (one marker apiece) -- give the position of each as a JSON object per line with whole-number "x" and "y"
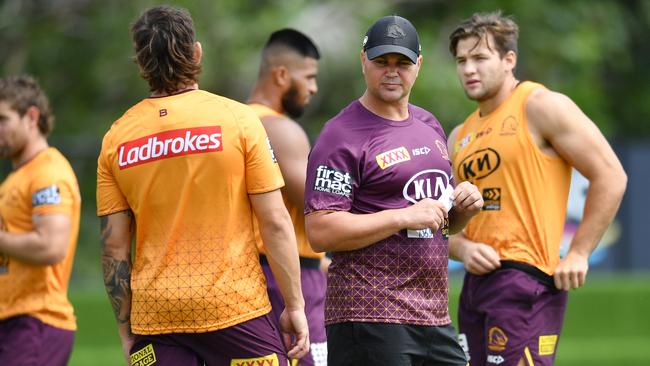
{"x": 356, "y": 343}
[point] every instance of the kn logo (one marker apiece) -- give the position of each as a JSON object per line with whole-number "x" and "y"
{"x": 330, "y": 180}
{"x": 392, "y": 157}
{"x": 478, "y": 165}
{"x": 428, "y": 183}
{"x": 169, "y": 144}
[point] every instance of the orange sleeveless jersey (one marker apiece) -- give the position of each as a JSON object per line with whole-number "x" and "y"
{"x": 525, "y": 191}
{"x": 45, "y": 185}
{"x": 185, "y": 165}
{"x": 297, "y": 216}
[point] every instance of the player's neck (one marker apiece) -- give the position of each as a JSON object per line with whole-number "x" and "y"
{"x": 266, "y": 98}
{"x": 181, "y": 89}
{"x": 489, "y": 105}
{"x": 32, "y": 148}
{"x": 395, "y": 111}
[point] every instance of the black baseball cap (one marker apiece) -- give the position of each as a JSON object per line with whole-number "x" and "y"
{"x": 392, "y": 34}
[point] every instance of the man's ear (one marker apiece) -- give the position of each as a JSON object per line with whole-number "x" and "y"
{"x": 281, "y": 77}
{"x": 198, "y": 52}
{"x": 362, "y": 56}
{"x": 33, "y": 114}
{"x": 511, "y": 60}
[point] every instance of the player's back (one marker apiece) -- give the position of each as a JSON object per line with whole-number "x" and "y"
{"x": 185, "y": 164}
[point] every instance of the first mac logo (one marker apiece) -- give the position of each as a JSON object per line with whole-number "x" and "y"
{"x": 169, "y": 144}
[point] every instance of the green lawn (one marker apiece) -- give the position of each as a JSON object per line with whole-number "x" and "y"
{"x": 607, "y": 324}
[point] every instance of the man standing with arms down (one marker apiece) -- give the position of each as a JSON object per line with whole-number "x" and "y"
{"x": 182, "y": 173}
{"x": 286, "y": 82}
{"x": 378, "y": 195}
{"x": 518, "y": 147}
{"x": 39, "y": 223}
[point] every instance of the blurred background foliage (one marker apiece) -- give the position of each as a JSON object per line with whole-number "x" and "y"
{"x": 596, "y": 52}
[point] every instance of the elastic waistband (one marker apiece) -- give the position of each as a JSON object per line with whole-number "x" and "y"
{"x": 313, "y": 263}
{"x": 535, "y": 272}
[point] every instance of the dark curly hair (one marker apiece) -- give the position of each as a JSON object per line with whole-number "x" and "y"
{"x": 163, "y": 38}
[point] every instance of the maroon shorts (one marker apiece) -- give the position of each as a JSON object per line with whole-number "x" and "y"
{"x": 25, "y": 340}
{"x": 314, "y": 284}
{"x": 508, "y": 315}
{"x": 255, "y": 342}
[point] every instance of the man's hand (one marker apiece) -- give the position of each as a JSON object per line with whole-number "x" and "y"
{"x": 295, "y": 332}
{"x": 571, "y": 273}
{"x": 425, "y": 214}
{"x": 467, "y": 199}
{"x": 480, "y": 258}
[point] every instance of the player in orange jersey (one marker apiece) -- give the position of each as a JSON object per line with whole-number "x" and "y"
{"x": 286, "y": 82}
{"x": 518, "y": 147}
{"x": 181, "y": 173}
{"x": 39, "y": 223}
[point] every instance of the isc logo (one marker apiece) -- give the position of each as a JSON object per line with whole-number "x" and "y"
{"x": 428, "y": 183}
{"x": 478, "y": 165}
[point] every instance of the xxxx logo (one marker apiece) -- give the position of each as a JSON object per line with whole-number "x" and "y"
{"x": 392, "y": 157}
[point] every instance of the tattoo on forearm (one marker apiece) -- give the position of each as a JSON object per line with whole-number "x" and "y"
{"x": 117, "y": 279}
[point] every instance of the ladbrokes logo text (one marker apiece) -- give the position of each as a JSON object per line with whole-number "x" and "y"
{"x": 169, "y": 144}
{"x": 330, "y": 180}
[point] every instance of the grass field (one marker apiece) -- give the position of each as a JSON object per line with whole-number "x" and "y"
{"x": 607, "y": 324}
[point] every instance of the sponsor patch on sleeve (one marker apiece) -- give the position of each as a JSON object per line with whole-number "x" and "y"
{"x": 268, "y": 144}
{"x": 47, "y": 196}
{"x": 270, "y": 360}
{"x": 330, "y": 180}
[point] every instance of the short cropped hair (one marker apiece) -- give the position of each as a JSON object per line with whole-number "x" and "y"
{"x": 283, "y": 42}
{"x": 503, "y": 29}
{"x": 293, "y": 40}
{"x": 163, "y": 38}
{"x": 22, "y": 92}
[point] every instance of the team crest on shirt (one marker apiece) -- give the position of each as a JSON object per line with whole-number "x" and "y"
{"x": 497, "y": 339}
{"x": 443, "y": 149}
{"x": 47, "y": 196}
{"x": 509, "y": 126}
{"x": 392, "y": 157}
{"x": 270, "y": 360}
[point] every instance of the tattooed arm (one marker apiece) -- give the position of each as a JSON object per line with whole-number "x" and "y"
{"x": 118, "y": 231}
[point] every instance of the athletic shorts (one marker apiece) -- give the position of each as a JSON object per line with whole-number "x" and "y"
{"x": 314, "y": 283}
{"x": 508, "y": 315}
{"x": 356, "y": 343}
{"x": 27, "y": 341}
{"x": 255, "y": 342}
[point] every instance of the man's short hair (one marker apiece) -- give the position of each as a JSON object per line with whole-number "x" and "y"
{"x": 22, "y": 92}
{"x": 293, "y": 40}
{"x": 503, "y": 29}
{"x": 163, "y": 38}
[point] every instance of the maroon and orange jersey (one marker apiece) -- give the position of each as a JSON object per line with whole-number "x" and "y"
{"x": 525, "y": 191}
{"x": 45, "y": 185}
{"x": 185, "y": 165}
{"x": 297, "y": 215}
